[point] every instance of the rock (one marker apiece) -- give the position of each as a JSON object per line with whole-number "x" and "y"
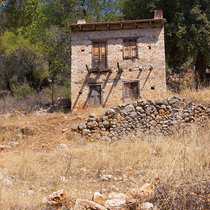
{"x": 133, "y": 114}
{"x": 113, "y": 188}
{"x": 110, "y": 112}
{"x": 106, "y": 177}
{"x": 82, "y": 126}
{"x": 146, "y": 191}
{"x": 98, "y": 198}
{"x": 56, "y": 198}
{"x": 13, "y": 143}
{"x": 92, "y": 125}
{"x": 30, "y": 192}
{"x": 7, "y": 115}
{"x": 64, "y": 130}
{"x": 83, "y": 204}
{"x": 85, "y": 132}
{"x": 129, "y": 108}
{"x": 162, "y": 102}
{"x": 74, "y": 127}
{"x": 139, "y": 109}
{"x": 174, "y": 100}
{"x": 28, "y": 130}
{"x": 7, "y": 182}
{"x": 148, "y": 206}
{"x": 117, "y": 200}
{"x": 19, "y": 136}
{"x": 91, "y": 115}
{"x": 32, "y": 187}
{"x": 106, "y": 124}
{"x": 2, "y": 148}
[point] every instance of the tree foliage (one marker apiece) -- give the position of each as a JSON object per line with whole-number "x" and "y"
{"x": 187, "y": 29}
{"x": 35, "y": 40}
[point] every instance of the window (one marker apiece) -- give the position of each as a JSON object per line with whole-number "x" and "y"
{"x": 131, "y": 90}
{"x": 130, "y": 49}
{"x": 99, "y": 56}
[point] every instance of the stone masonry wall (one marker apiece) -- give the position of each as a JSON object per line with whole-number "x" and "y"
{"x": 151, "y": 51}
{"x": 160, "y": 116}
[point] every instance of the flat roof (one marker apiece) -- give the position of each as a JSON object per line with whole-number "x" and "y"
{"x": 116, "y": 25}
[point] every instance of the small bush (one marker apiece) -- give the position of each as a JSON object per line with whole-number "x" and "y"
{"x": 20, "y": 90}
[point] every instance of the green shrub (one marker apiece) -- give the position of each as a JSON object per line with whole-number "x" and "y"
{"x": 20, "y": 90}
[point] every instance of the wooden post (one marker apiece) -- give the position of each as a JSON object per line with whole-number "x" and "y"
{"x": 118, "y": 66}
{"x": 89, "y": 71}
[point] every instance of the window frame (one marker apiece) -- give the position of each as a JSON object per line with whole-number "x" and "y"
{"x": 130, "y": 40}
{"x": 124, "y": 89}
{"x": 93, "y": 64}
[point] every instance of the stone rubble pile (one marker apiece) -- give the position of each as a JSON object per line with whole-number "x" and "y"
{"x": 164, "y": 116}
{"x": 134, "y": 199}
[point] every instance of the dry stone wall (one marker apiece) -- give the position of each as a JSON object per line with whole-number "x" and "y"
{"x": 163, "y": 116}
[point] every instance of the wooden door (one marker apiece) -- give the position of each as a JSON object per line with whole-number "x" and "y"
{"x": 94, "y": 96}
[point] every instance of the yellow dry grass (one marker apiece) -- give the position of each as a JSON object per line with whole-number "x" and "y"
{"x": 200, "y": 95}
{"x": 176, "y": 160}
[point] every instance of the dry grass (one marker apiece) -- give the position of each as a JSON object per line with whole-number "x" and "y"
{"x": 177, "y": 161}
{"x": 200, "y": 95}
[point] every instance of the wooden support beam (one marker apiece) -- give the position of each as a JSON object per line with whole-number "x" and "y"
{"x": 151, "y": 67}
{"x": 118, "y": 66}
{"x": 89, "y": 71}
{"x": 98, "y": 70}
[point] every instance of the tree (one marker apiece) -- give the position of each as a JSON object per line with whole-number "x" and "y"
{"x": 187, "y": 29}
{"x": 100, "y": 10}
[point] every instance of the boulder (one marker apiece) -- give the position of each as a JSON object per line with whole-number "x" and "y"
{"x": 56, "y": 198}
{"x": 162, "y": 102}
{"x": 85, "y": 132}
{"x": 148, "y": 206}
{"x": 91, "y": 115}
{"x": 110, "y": 112}
{"x": 106, "y": 177}
{"x": 83, "y": 204}
{"x": 82, "y": 126}
{"x": 129, "y": 108}
{"x": 74, "y": 127}
{"x": 106, "y": 124}
{"x": 98, "y": 198}
{"x": 174, "y": 100}
{"x": 116, "y": 201}
{"x": 92, "y": 125}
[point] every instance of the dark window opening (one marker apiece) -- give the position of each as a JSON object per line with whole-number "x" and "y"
{"x": 99, "y": 56}
{"x": 130, "y": 49}
{"x": 131, "y": 90}
{"x": 152, "y": 88}
{"x": 94, "y": 95}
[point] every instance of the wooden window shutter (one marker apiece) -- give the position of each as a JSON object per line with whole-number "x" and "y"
{"x": 99, "y": 56}
{"x": 130, "y": 49}
{"x": 133, "y": 49}
{"x": 126, "y": 50}
{"x": 103, "y": 52}
{"x": 96, "y": 52}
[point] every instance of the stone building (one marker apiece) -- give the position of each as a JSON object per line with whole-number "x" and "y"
{"x": 115, "y": 62}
